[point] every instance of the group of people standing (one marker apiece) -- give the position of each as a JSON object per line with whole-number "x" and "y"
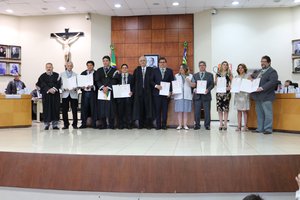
{"x": 145, "y": 104}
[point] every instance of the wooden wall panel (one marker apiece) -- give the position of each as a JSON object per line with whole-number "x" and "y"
{"x": 161, "y": 34}
{"x": 145, "y": 36}
{"x": 150, "y": 174}
{"x": 117, "y": 23}
{"x": 171, "y": 35}
{"x": 145, "y": 22}
{"x": 158, "y": 22}
{"x": 158, "y": 36}
{"x": 145, "y": 49}
{"x": 131, "y": 50}
{"x": 131, "y": 36}
{"x": 186, "y": 21}
{"x": 131, "y": 23}
{"x": 172, "y": 21}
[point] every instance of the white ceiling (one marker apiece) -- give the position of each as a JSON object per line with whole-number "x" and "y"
{"x": 129, "y": 7}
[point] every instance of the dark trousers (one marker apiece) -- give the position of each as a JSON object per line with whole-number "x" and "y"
{"x": 199, "y": 104}
{"x": 124, "y": 112}
{"x": 144, "y": 121}
{"x": 161, "y": 111}
{"x": 88, "y": 109}
{"x": 65, "y": 108}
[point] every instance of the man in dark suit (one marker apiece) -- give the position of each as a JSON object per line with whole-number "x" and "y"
{"x": 203, "y": 100}
{"x": 161, "y": 74}
{"x": 125, "y": 104}
{"x": 88, "y": 98}
{"x": 142, "y": 90}
{"x": 104, "y": 79}
{"x": 265, "y": 95}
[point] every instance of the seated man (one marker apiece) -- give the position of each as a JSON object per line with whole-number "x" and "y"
{"x": 15, "y": 85}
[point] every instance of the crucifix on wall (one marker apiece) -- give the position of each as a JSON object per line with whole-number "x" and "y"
{"x": 66, "y": 39}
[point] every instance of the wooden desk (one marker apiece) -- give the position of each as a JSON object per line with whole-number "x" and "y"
{"x": 15, "y": 112}
{"x": 286, "y": 113}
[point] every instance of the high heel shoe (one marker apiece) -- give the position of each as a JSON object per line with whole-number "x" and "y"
{"x": 220, "y": 128}
{"x": 238, "y": 129}
{"x": 224, "y": 128}
{"x": 245, "y": 129}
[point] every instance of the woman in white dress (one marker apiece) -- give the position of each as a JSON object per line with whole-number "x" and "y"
{"x": 183, "y": 100}
{"x": 242, "y": 100}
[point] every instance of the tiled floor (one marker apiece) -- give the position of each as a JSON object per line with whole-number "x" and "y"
{"x": 147, "y": 142}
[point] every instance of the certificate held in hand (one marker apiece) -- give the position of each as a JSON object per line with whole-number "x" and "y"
{"x": 103, "y": 96}
{"x": 250, "y": 86}
{"x": 236, "y": 85}
{"x": 201, "y": 87}
{"x": 85, "y": 80}
{"x": 176, "y": 86}
{"x": 69, "y": 83}
{"x": 221, "y": 85}
{"x": 121, "y": 91}
{"x": 165, "y": 91}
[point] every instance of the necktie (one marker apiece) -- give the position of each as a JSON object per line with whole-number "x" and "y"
{"x": 124, "y": 79}
{"x": 143, "y": 72}
{"x": 162, "y": 73}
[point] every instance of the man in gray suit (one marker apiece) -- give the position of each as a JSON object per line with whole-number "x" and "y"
{"x": 203, "y": 100}
{"x": 265, "y": 95}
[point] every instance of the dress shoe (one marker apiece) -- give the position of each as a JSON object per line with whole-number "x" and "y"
{"x": 256, "y": 131}
{"x": 158, "y": 128}
{"x": 164, "y": 127}
{"x": 178, "y": 128}
{"x": 196, "y": 127}
{"x": 207, "y": 128}
{"x": 82, "y": 126}
{"x": 267, "y": 132}
{"x": 55, "y": 128}
{"x": 65, "y": 127}
{"x": 46, "y": 128}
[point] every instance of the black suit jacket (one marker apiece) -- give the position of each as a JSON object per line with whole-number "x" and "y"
{"x": 210, "y": 85}
{"x": 157, "y": 78}
{"x": 129, "y": 80}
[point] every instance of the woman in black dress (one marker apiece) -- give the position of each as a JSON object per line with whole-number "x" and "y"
{"x": 223, "y": 99}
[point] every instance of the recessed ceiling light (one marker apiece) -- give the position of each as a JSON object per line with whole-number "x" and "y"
{"x": 235, "y": 3}
{"x": 62, "y": 8}
{"x": 117, "y": 5}
{"x": 296, "y": 1}
{"x": 175, "y": 4}
{"x": 9, "y": 11}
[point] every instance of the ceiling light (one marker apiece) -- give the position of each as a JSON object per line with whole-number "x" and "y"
{"x": 175, "y": 4}
{"x": 9, "y": 11}
{"x": 296, "y": 1}
{"x": 235, "y": 3}
{"x": 117, "y": 5}
{"x": 62, "y": 8}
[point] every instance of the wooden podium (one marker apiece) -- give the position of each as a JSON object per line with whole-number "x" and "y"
{"x": 15, "y": 112}
{"x": 286, "y": 113}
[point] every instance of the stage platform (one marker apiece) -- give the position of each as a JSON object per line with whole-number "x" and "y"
{"x": 135, "y": 160}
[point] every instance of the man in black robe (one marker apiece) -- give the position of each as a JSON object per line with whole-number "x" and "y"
{"x": 88, "y": 98}
{"x": 104, "y": 79}
{"x": 142, "y": 106}
{"x": 50, "y": 83}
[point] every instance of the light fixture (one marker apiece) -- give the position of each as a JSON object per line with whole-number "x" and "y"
{"x": 9, "y": 10}
{"x": 61, "y": 8}
{"x": 175, "y": 4}
{"x": 117, "y": 5}
{"x": 235, "y": 3}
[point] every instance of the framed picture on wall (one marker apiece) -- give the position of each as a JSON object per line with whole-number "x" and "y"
{"x": 14, "y": 68}
{"x": 3, "y": 51}
{"x": 3, "y": 68}
{"x": 296, "y": 65}
{"x": 152, "y": 60}
{"x": 15, "y": 52}
{"x": 296, "y": 47}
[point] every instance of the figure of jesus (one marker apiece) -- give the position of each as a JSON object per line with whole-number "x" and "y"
{"x": 66, "y": 42}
